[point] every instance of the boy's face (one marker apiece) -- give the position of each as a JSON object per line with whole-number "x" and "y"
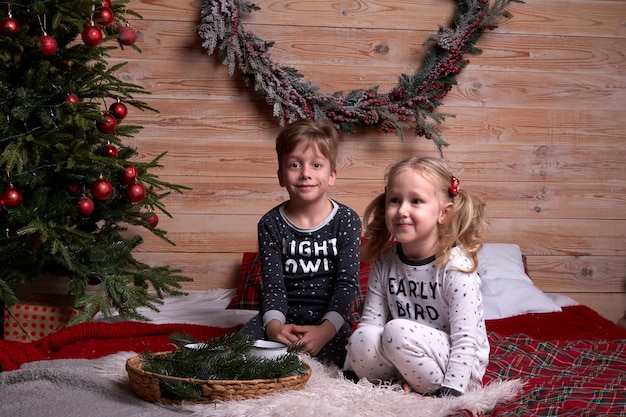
{"x": 306, "y": 174}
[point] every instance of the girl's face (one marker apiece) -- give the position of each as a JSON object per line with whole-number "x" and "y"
{"x": 413, "y": 210}
{"x": 306, "y": 174}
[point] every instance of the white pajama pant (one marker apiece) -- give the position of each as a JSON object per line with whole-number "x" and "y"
{"x": 402, "y": 349}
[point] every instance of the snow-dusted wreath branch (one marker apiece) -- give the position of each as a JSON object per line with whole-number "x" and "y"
{"x": 412, "y": 102}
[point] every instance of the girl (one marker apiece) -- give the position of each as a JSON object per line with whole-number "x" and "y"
{"x": 422, "y": 319}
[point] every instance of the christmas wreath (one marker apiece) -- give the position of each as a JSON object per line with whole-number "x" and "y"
{"x": 412, "y": 101}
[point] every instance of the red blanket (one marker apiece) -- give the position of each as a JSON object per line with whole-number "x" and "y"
{"x": 573, "y": 323}
{"x": 94, "y": 340}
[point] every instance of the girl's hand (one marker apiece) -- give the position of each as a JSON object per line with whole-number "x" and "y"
{"x": 315, "y": 337}
{"x": 282, "y": 333}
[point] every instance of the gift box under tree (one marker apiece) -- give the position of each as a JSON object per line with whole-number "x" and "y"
{"x": 38, "y": 315}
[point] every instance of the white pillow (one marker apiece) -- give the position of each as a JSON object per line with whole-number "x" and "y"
{"x": 507, "y": 290}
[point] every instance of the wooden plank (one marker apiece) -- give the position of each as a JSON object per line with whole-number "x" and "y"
{"x": 318, "y": 13}
{"x": 603, "y": 274}
{"x": 232, "y": 233}
{"x": 529, "y": 90}
{"x": 546, "y": 53}
{"x": 504, "y": 199}
{"x": 169, "y": 10}
{"x": 578, "y": 18}
{"x": 184, "y": 118}
{"x": 296, "y": 46}
{"x": 571, "y": 274}
{"x": 173, "y": 41}
{"x": 610, "y": 306}
{"x": 477, "y": 87}
{"x": 581, "y": 18}
{"x": 390, "y": 50}
{"x": 550, "y": 164}
{"x": 208, "y": 270}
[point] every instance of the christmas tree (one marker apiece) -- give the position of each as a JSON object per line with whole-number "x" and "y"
{"x": 69, "y": 186}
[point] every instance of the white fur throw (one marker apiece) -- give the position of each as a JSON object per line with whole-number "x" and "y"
{"x": 328, "y": 394}
{"x": 100, "y": 388}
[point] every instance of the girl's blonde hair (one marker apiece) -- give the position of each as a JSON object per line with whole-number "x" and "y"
{"x": 463, "y": 225}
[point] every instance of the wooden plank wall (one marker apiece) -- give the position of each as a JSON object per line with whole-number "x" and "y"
{"x": 539, "y": 129}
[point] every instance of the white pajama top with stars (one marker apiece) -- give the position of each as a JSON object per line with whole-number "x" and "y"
{"x": 421, "y": 323}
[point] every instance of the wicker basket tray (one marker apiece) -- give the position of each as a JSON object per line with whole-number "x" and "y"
{"x": 146, "y": 385}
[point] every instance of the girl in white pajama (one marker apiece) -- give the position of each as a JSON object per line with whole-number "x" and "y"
{"x": 422, "y": 320}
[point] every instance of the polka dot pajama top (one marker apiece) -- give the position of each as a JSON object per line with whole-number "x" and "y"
{"x": 421, "y": 323}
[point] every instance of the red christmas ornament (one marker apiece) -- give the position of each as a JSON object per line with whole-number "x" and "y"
{"x": 128, "y": 36}
{"x": 129, "y": 175}
{"x": 85, "y": 206}
{"x": 48, "y": 45}
{"x": 107, "y": 3}
{"x": 72, "y": 98}
{"x": 152, "y": 219}
{"x": 135, "y": 192}
{"x": 101, "y": 189}
{"x": 110, "y": 150}
{"x": 72, "y": 188}
{"x": 9, "y": 26}
{"x": 11, "y": 197}
{"x": 118, "y": 110}
{"x": 104, "y": 15}
{"x": 108, "y": 125}
{"x": 113, "y": 28}
{"x": 92, "y": 35}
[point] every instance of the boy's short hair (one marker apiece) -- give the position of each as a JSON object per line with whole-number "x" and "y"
{"x": 321, "y": 134}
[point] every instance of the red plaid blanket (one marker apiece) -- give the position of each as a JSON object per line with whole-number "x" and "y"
{"x": 563, "y": 378}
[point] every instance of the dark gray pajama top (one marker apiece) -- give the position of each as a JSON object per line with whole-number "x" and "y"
{"x": 310, "y": 274}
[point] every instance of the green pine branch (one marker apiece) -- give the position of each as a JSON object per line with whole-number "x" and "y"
{"x": 225, "y": 358}
{"x": 51, "y": 150}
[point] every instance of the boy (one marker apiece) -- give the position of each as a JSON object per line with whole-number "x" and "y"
{"x": 309, "y": 247}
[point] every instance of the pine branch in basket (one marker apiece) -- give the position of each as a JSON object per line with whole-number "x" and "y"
{"x": 223, "y": 358}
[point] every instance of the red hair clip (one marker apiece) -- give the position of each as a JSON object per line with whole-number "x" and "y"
{"x": 454, "y": 186}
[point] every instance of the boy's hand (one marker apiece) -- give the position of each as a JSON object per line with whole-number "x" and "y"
{"x": 315, "y": 337}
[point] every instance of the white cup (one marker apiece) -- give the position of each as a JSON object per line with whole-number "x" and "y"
{"x": 268, "y": 349}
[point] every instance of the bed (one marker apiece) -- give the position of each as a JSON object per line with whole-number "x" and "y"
{"x": 555, "y": 358}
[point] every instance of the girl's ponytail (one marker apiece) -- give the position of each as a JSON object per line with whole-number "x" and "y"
{"x": 376, "y": 234}
{"x": 465, "y": 226}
